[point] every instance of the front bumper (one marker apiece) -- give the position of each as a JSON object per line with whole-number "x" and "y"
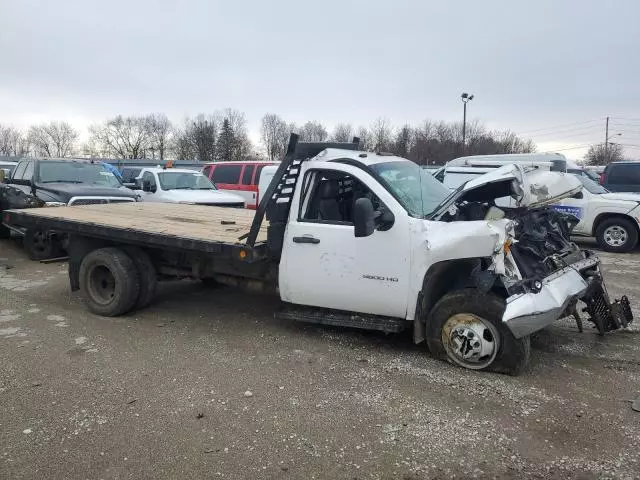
{"x": 527, "y": 313}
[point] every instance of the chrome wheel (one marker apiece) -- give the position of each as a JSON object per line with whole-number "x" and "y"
{"x": 615, "y": 236}
{"x": 470, "y": 341}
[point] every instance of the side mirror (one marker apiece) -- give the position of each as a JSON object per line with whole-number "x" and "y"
{"x": 146, "y": 185}
{"x": 364, "y": 218}
{"x": 32, "y": 184}
{"x": 578, "y": 195}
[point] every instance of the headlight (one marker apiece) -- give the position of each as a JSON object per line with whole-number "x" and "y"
{"x": 55, "y": 204}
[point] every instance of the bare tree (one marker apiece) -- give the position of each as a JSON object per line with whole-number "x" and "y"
{"x": 272, "y": 130}
{"x": 364, "y": 134}
{"x": 404, "y": 141}
{"x": 381, "y": 135}
{"x": 313, "y": 132}
{"x": 160, "y": 131}
{"x": 239, "y": 145}
{"x": 13, "y": 142}
{"x": 53, "y": 139}
{"x": 121, "y": 137}
{"x": 342, "y": 132}
{"x": 198, "y": 139}
{"x": 596, "y": 155}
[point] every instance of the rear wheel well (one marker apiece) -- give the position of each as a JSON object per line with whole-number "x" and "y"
{"x": 606, "y": 216}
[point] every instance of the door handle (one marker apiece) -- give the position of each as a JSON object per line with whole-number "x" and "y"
{"x": 306, "y": 240}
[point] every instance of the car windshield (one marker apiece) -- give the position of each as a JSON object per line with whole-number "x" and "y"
{"x": 50, "y": 171}
{"x": 184, "y": 181}
{"x": 414, "y": 187}
{"x": 591, "y": 186}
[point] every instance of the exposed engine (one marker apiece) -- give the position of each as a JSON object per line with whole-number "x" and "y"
{"x": 543, "y": 241}
{"x": 543, "y": 247}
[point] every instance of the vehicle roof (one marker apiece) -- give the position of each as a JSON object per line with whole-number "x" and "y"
{"x": 66, "y": 160}
{"x": 365, "y": 158}
{"x": 161, "y": 170}
{"x": 625, "y": 162}
{"x": 3, "y": 162}
{"x": 509, "y": 158}
{"x": 243, "y": 162}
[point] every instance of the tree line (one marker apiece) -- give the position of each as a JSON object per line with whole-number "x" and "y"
{"x": 223, "y": 136}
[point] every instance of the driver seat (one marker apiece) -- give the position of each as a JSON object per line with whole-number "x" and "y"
{"x": 328, "y": 206}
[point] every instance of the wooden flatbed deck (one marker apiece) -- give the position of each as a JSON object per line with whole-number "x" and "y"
{"x": 154, "y": 223}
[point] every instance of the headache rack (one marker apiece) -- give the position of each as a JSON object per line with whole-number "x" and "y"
{"x": 276, "y": 202}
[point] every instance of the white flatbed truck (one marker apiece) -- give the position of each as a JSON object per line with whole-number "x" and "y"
{"x": 359, "y": 239}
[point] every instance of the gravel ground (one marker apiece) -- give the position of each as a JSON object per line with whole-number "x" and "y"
{"x": 206, "y": 384}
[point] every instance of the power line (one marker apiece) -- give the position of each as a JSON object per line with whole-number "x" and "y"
{"x": 560, "y": 126}
{"x": 586, "y": 145}
{"x": 570, "y": 135}
{"x": 577, "y": 131}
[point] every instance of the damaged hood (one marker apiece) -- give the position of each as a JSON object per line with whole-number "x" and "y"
{"x": 520, "y": 187}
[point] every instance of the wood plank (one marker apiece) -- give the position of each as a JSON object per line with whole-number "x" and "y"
{"x": 199, "y": 222}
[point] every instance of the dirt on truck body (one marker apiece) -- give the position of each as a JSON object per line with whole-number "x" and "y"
{"x": 365, "y": 240}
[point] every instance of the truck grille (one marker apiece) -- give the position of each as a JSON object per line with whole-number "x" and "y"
{"x": 98, "y": 200}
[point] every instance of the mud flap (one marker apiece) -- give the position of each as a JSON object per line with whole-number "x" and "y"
{"x": 604, "y": 314}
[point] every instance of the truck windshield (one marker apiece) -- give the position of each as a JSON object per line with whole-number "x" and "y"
{"x": 414, "y": 187}
{"x": 184, "y": 181}
{"x": 51, "y": 171}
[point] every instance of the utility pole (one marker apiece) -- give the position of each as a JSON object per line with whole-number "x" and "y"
{"x": 465, "y": 97}
{"x": 606, "y": 142}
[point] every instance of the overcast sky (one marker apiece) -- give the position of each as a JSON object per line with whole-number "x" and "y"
{"x": 531, "y": 65}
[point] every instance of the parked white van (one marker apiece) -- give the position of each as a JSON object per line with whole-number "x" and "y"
{"x": 462, "y": 169}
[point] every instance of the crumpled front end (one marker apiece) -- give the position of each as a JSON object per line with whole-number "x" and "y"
{"x": 553, "y": 275}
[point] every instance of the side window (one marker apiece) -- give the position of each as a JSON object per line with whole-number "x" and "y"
{"x": 226, "y": 174}
{"x": 129, "y": 175}
{"x": 624, "y": 174}
{"x": 329, "y": 197}
{"x": 206, "y": 171}
{"x": 151, "y": 178}
{"x": 19, "y": 171}
{"x": 247, "y": 174}
{"x": 256, "y": 179}
{"x": 28, "y": 172}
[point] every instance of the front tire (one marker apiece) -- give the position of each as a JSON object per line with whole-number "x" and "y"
{"x": 617, "y": 235}
{"x": 465, "y": 328}
{"x": 109, "y": 281}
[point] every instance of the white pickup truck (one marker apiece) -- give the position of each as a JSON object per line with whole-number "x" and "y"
{"x": 181, "y": 185}
{"x": 363, "y": 240}
{"x": 612, "y": 217}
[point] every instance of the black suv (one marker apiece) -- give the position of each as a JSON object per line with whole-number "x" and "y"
{"x": 58, "y": 182}
{"x": 621, "y": 177}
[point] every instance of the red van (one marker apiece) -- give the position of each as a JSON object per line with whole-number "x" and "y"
{"x": 241, "y": 178}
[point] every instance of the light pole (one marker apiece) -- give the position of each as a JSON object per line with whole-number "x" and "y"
{"x": 466, "y": 98}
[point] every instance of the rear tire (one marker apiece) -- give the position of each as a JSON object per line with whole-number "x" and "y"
{"x": 40, "y": 245}
{"x": 147, "y": 273}
{"x": 617, "y": 235}
{"x": 465, "y": 328}
{"x": 109, "y": 281}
